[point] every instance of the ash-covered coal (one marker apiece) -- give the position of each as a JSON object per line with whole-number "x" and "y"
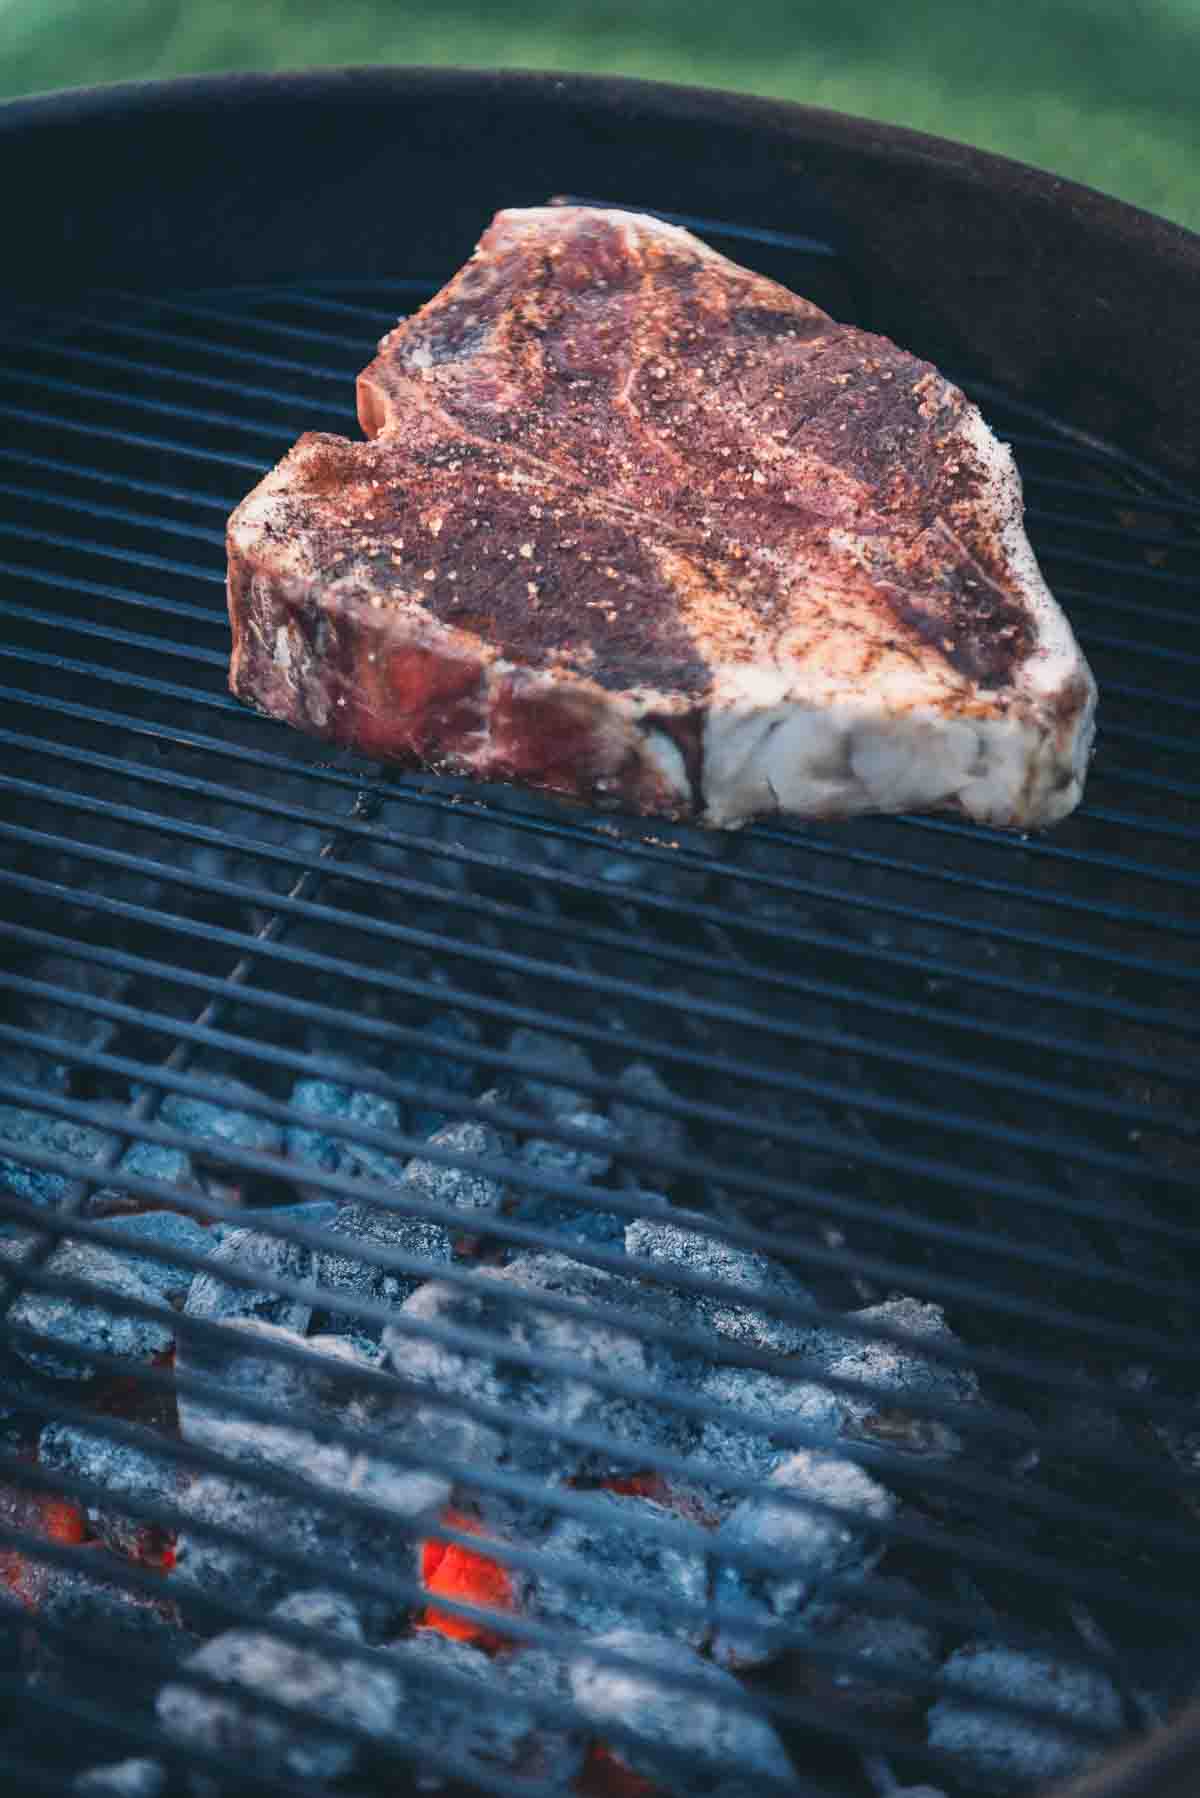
{"x": 766, "y": 1399}
{"x": 387, "y": 1471}
{"x": 554, "y": 1098}
{"x": 321, "y": 1687}
{"x": 896, "y": 1372}
{"x": 1004, "y": 1753}
{"x": 88, "y": 1325}
{"x": 310, "y": 1146}
{"x": 864, "y": 1639}
{"x": 24, "y": 1127}
{"x": 471, "y": 1190}
{"x": 613, "y": 1549}
{"x": 571, "y": 1161}
{"x": 502, "y": 1302}
{"x": 257, "y": 1255}
{"x": 491, "y": 1726}
{"x": 134, "y": 1778}
{"x": 827, "y": 1532}
{"x": 123, "y": 1471}
{"x": 146, "y": 1161}
{"x": 215, "y": 1124}
{"x": 693, "y": 1744}
{"x": 643, "y": 1125}
{"x": 684, "y": 1241}
{"x": 440, "y": 1069}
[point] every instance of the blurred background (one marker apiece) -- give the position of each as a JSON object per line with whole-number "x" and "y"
{"x": 1105, "y": 91}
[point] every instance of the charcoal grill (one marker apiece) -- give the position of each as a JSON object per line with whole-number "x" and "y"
{"x": 902, "y": 1057}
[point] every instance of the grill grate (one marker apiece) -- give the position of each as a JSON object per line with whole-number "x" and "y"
{"x": 903, "y": 1056}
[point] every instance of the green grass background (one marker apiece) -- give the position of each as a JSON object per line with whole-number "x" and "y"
{"x": 1106, "y": 91}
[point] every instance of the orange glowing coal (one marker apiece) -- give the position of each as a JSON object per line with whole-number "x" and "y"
{"x": 604, "y": 1776}
{"x": 450, "y": 1570}
{"x": 57, "y": 1520}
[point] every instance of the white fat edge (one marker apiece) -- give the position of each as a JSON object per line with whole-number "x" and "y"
{"x": 823, "y": 749}
{"x": 665, "y": 758}
{"x": 1058, "y": 655}
{"x": 1057, "y": 658}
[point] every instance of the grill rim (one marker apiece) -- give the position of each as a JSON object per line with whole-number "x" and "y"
{"x": 187, "y": 182}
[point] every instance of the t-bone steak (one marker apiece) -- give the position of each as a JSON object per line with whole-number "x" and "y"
{"x": 643, "y": 528}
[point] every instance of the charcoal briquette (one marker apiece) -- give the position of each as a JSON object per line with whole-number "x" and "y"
{"x": 683, "y": 1241}
{"x": 217, "y": 1124}
{"x": 147, "y": 1161}
{"x": 136, "y": 1778}
{"x": 329, "y": 1153}
{"x": 493, "y": 1728}
{"x": 259, "y": 1256}
{"x": 750, "y": 1392}
{"x": 570, "y": 1222}
{"x": 570, "y": 1061}
{"x": 689, "y": 1741}
{"x": 643, "y": 1126}
{"x": 807, "y": 1546}
{"x": 22, "y": 1127}
{"x": 437, "y": 1068}
{"x": 1004, "y": 1753}
{"x": 471, "y": 1190}
{"x": 310, "y": 1680}
{"x": 88, "y": 1323}
{"x": 864, "y": 1639}
{"x": 614, "y": 1546}
{"x": 92, "y": 1454}
{"x": 353, "y": 1272}
{"x": 880, "y": 1417}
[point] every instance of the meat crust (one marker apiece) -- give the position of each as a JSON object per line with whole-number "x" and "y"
{"x": 641, "y": 527}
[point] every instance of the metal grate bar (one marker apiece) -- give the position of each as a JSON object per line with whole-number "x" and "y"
{"x": 70, "y": 800}
{"x": 1127, "y": 570}
{"x": 667, "y": 1052}
{"x": 192, "y": 571}
{"x": 593, "y": 935}
{"x": 953, "y": 1479}
{"x": 111, "y": 478}
{"x": 906, "y": 1057}
{"x": 781, "y": 1242}
{"x": 162, "y": 371}
{"x": 225, "y": 316}
{"x": 136, "y": 402}
{"x": 187, "y": 652}
{"x": 1124, "y": 533}
{"x": 216, "y": 346}
{"x": 321, "y": 774}
{"x": 1182, "y": 1024}
{"x": 94, "y": 431}
{"x": 846, "y": 1207}
{"x": 1135, "y": 499}
{"x": 946, "y": 920}
{"x": 117, "y": 514}
{"x": 807, "y": 992}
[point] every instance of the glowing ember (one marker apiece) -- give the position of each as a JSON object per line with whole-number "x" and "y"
{"x": 448, "y": 1570}
{"x": 686, "y": 1504}
{"x": 53, "y": 1518}
{"x": 604, "y": 1776}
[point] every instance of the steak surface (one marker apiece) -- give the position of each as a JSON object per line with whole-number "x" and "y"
{"x": 645, "y": 529}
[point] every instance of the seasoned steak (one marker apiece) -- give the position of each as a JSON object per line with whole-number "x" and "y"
{"x": 643, "y": 528}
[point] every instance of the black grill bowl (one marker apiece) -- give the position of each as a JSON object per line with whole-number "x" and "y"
{"x": 904, "y": 1057}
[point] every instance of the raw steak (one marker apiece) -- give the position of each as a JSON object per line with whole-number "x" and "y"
{"x": 643, "y": 528}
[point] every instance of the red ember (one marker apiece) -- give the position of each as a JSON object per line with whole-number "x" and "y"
{"x": 57, "y": 1520}
{"x": 604, "y": 1776}
{"x": 448, "y": 1570}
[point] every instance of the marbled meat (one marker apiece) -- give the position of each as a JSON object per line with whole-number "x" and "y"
{"x": 642, "y": 528}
